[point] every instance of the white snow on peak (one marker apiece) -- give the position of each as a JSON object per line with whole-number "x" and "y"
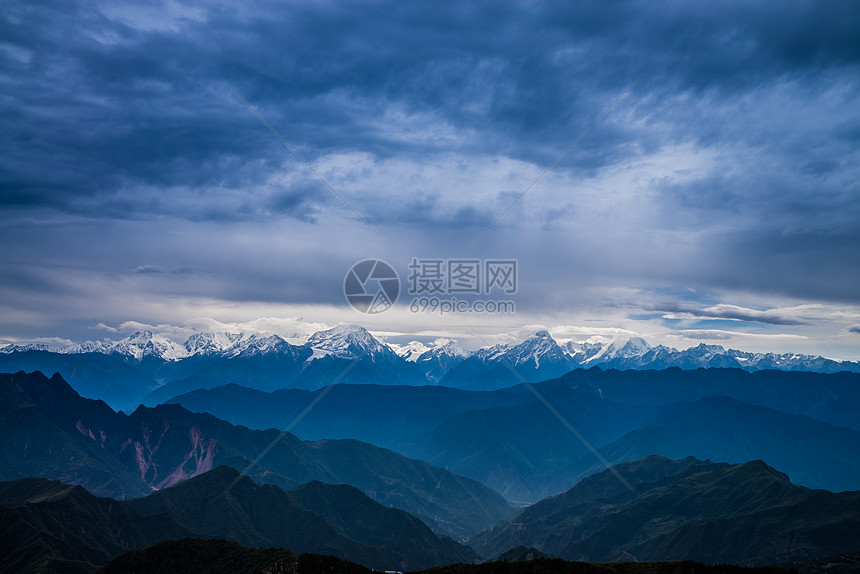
{"x": 449, "y": 347}
{"x": 535, "y": 347}
{"x": 345, "y": 342}
{"x": 532, "y": 349}
{"x": 703, "y": 349}
{"x": 249, "y": 344}
{"x": 13, "y": 348}
{"x": 410, "y": 351}
{"x": 443, "y": 348}
{"x": 635, "y": 347}
{"x": 606, "y": 350}
{"x": 138, "y": 345}
{"x": 211, "y": 343}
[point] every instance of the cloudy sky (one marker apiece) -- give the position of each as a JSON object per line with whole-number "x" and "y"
{"x": 715, "y": 199}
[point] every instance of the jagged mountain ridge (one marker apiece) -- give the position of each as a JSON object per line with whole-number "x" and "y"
{"x": 149, "y": 368}
{"x": 540, "y": 357}
{"x": 349, "y": 342}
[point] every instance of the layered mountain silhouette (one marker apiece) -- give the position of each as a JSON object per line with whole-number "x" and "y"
{"x": 86, "y": 484}
{"x": 49, "y": 431}
{"x": 379, "y": 414}
{"x": 805, "y": 424}
{"x": 150, "y": 368}
{"x": 668, "y": 510}
{"x": 812, "y": 453}
{"x": 49, "y": 522}
{"x": 524, "y": 451}
{"x": 684, "y": 510}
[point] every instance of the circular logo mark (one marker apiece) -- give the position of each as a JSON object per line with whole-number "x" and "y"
{"x": 371, "y": 286}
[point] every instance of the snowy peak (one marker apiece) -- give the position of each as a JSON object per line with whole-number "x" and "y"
{"x": 347, "y": 342}
{"x": 210, "y": 343}
{"x": 703, "y": 350}
{"x": 538, "y": 348}
{"x": 634, "y": 347}
{"x": 148, "y": 344}
{"x": 411, "y": 351}
{"x": 602, "y": 351}
{"x": 443, "y": 356}
{"x": 14, "y": 348}
{"x": 258, "y": 344}
{"x": 582, "y": 352}
{"x": 444, "y": 348}
{"x": 416, "y": 351}
{"x": 539, "y": 356}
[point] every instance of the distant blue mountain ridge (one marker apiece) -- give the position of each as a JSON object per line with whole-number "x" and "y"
{"x": 150, "y": 368}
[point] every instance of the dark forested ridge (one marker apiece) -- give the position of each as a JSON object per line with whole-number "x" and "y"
{"x": 218, "y": 556}
{"x": 46, "y": 520}
{"x": 50, "y": 431}
{"x": 684, "y": 510}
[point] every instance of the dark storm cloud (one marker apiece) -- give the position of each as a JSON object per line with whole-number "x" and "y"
{"x": 116, "y": 112}
{"x": 854, "y": 329}
{"x": 103, "y": 106}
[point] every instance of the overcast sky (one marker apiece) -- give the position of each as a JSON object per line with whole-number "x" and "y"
{"x": 717, "y": 200}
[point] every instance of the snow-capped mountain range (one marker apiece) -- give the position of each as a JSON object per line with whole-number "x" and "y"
{"x": 537, "y": 356}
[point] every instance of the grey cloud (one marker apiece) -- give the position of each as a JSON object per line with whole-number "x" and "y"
{"x": 705, "y": 334}
{"x": 148, "y": 269}
{"x": 728, "y": 312}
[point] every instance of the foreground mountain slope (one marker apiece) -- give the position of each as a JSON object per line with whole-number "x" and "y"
{"x": 194, "y": 556}
{"x": 685, "y": 510}
{"x": 368, "y": 522}
{"x": 190, "y": 556}
{"x": 842, "y": 564}
{"x": 46, "y": 520}
{"x": 47, "y": 526}
{"x": 265, "y": 515}
{"x": 255, "y": 515}
{"x": 156, "y": 448}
